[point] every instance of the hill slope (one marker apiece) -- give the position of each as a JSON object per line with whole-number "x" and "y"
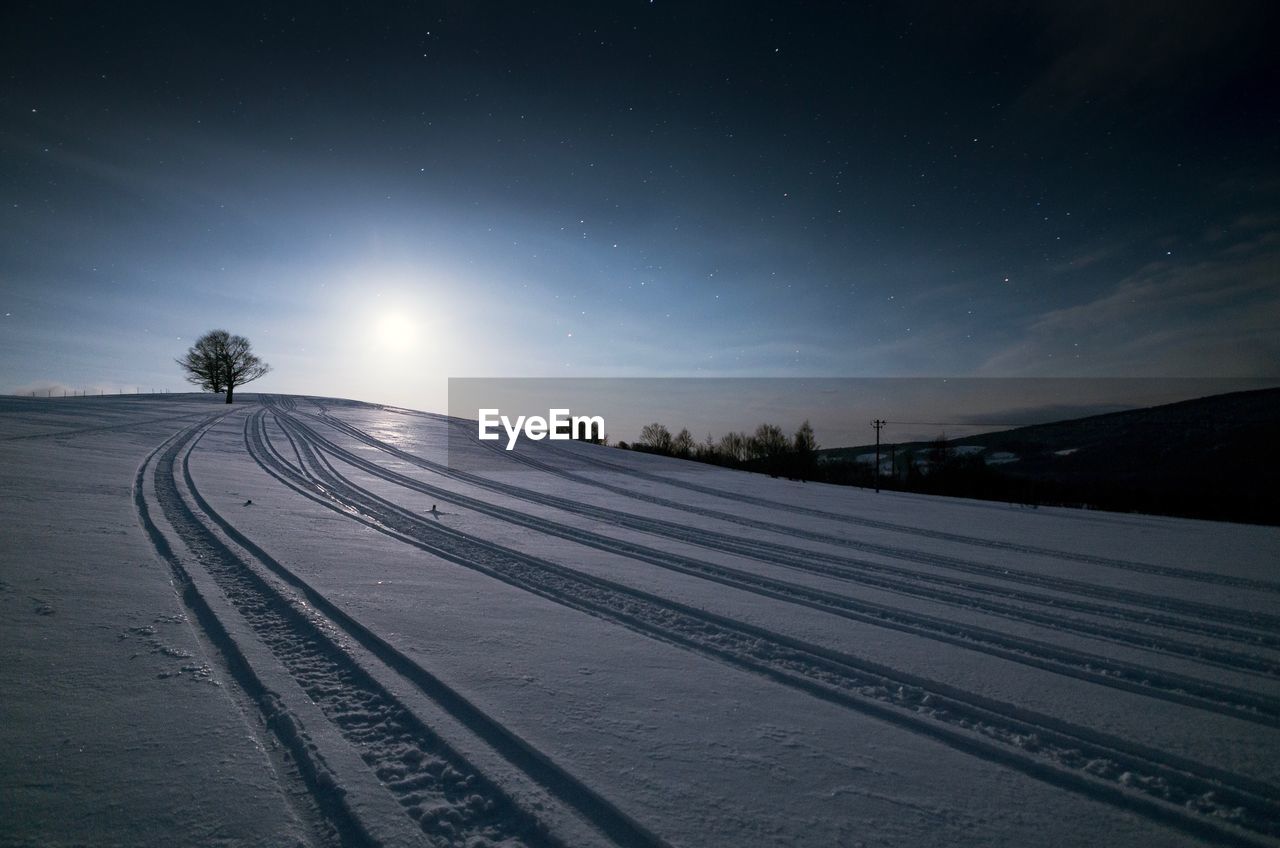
{"x": 325, "y": 611}
{"x": 1213, "y": 457}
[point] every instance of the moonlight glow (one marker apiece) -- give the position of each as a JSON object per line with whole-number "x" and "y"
{"x": 396, "y": 332}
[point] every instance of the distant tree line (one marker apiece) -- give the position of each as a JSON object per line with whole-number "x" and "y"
{"x": 1234, "y": 481}
{"x": 1220, "y": 489}
{"x": 938, "y": 469}
{"x": 935, "y": 469}
{"x": 768, "y": 449}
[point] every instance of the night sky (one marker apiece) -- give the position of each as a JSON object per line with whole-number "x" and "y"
{"x": 384, "y": 196}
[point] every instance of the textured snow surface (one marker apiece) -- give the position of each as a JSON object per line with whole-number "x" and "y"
{"x": 304, "y": 621}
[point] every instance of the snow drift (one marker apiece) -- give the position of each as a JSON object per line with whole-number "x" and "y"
{"x": 296, "y": 621}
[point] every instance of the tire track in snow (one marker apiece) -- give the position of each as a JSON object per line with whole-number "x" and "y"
{"x": 1178, "y": 688}
{"x": 450, "y": 801}
{"x": 1207, "y": 611}
{"x": 1193, "y": 797}
{"x": 718, "y": 540}
{"x": 126, "y": 425}
{"x": 934, "y": 587}
{"x": 942, "y": 535}
{"x": 566, "y": 789}
{"x": 327, "y": 815}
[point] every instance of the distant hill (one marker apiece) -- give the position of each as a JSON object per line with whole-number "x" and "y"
{"x": 1213, "y": 457}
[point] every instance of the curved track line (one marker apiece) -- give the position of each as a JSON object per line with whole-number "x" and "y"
{"x": 620, "y": 828}
{"x": 434, "y": 785}
{"x": 946, "y": 536}
{"x": 1190, "y": 796}
{"x": 1095, "y": 668}
{"x": 335, "y": 812}
{"x": 125, "y": 425}
{"x": 1155, "y": 602}
{"x": 940, "y": 588}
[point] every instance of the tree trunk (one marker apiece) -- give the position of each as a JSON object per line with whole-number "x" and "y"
{"x": 229, "y": 390}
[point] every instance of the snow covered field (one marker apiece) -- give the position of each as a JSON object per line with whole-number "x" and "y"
{"x": 247, "y": 625}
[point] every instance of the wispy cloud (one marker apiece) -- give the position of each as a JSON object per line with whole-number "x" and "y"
{"x": 1216, "y": 317}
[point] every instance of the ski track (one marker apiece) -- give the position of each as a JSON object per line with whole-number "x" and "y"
{"x": 1194, "y": 797}
{"x": 1093, "y": 667}
{"x": 467, "y": 428}
{"x": 1153, "y": 605}
{"x": 451, "y": 802}
{"x": 951, "y": 591}
{"x": 103, "y": 428}
{"x": 1210, "y": 612}
{"x": 942, "y": 535}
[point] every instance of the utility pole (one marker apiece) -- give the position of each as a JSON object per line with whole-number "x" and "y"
{"x": 877, "y": 424}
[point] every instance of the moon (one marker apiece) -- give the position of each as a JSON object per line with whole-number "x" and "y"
{"x": 396, "y": 332}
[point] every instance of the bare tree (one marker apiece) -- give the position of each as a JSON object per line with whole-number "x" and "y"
{"x": 804, "y": 442}
{"x": 805, "y": 448}
{"x": 656, "y": 437}
{"x": 219, "y": 361}
{"x": 682, "y": 445}
{"x": 203, "y": 362}
{"x": 769, "y": 442}
{"x": 733, "y": 446}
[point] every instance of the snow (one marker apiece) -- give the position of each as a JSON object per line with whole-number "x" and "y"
{"x": 246, "y": 625}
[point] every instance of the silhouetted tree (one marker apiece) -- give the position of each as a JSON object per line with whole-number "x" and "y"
{"x": 733, "y": 447}
{"x": 805, "y": 446}
{"x": 656, "y": 437}
{"x": 805, "y": 442}
{"x": 203, "y": 362}
{"x": 682, "y": 444}
{"x": 219, "y": 361}
{"x": 769, "y": 442}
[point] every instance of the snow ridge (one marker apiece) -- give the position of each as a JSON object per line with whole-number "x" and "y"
{"x": 1195, "y": 797}
{"x": 1094, "y": 667}
{"x": 437, "y": 788}
{"x": 804, "y": 559}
